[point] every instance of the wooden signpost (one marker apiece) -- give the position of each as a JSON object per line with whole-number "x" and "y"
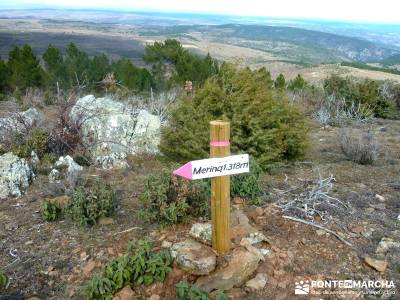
{"x": 218, "y": 168}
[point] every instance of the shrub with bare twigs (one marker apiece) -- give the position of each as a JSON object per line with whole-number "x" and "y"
{"x": 359, "y": 147}
{"x": 65, "y": 134}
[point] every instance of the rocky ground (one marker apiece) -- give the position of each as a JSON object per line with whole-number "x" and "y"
{"x": 54, "y": 260}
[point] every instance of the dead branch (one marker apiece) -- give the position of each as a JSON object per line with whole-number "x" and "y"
{"x": 320, "y": 227}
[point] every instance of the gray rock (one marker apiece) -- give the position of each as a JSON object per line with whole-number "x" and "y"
{"x": 113, "y": 127}
{"x": 241, "y": 266}
{"x": 15, "y": 175}
{"x": 54, "y": 176}
{"x": 34, "y": 158}
{"x": 194, "y": 257}
{"x": 385, "y": 244}
{"x": 202, "y": 232}
{"x": 65, "y": 168}
{"x": 19, "y": 122}
{"x": 258, "y": 282}
{"x": 112, "y": 161}
{"x": 255, "y": 238}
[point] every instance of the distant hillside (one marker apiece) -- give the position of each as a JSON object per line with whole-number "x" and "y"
{"x": 334, "y": 47}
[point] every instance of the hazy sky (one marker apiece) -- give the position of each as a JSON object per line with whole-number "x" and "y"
{"x": 386, "y": 11}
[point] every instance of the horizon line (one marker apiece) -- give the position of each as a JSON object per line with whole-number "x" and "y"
{"x": 193, "y": 13}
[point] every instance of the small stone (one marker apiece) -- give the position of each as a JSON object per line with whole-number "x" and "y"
{"x": 193, "y": 257}
{"x": 155, "y": 297}
{"x": 29, "y": 243}
{"x": 265, "y": 252}
{"x": 236, "y": 294}
{"x": 357, "y": 229}
{"x": 258, "y": 282}
{"x": 110, "y": 251}
{"x": 368, "y": 232}
{"x": 166, "y": 244}
{"x": 379, "y": 265}
{"x": 398, "y": 218}
{"x": 259, "y": 211}
{"x": 155, "y": 288}
{"x": 201, "y": 232}
{"x": 320, "y": 232}
{"x": 278, "y": 273}
{"x": 84, "y": 256}
{"x": 104, "y": 221}
{"x": 89, "y": 267}
{"x": 238, "y": 201}
{"x": 33, "y": 298}
{"x": 385, "y": 244}
{"x": 380, "y": 198}
{"x": 125, "y": 294}
{"x": 255, "y": 238}
{"x": 369, "y": 210}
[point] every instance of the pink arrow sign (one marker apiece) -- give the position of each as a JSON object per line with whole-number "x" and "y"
{"x": 214, "y": 167}
{"x": 185, "y": 171}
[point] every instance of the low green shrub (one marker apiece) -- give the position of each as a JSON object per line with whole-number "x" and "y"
{"x": 168, "y": 199}
{"x": 4, "y": 281}
{"x": 140, "y": 265}
{"x": 186, "y": 291}
{"x": 248, "y": 186}
{"x": 37, "y": 140}
{"x": 377, "y": 95}
{"x": 50, "y": 211}
{"x": 92, "y": 201}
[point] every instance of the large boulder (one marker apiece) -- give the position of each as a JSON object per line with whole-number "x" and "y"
{"x": 19, "y": 122}
{"x": 15, "y": 175}
{"x": 109, "y": 127}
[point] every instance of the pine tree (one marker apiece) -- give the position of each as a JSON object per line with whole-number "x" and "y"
{"x": 77, "y": 64}
{"x": 4, "y": 76}
{"x": 24, "y": 67}
{"x": 55, "y": 67}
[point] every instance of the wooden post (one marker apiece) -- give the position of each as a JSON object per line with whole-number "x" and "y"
{"x": 220, "y": 189}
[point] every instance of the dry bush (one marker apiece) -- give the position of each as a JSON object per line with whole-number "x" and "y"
{"x": 33, "y": 97}
{"x": 360, "y": 147}
{"x": 65, "y": 133}
{"x": 336, "y": 112}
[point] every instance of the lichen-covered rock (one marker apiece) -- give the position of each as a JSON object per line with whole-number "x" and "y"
{"x": 65, "y": 168}
{"x": 193, "y": 257}
{"x": 385, "y": 245}
{"x": 15, "y": 175}
{"x": 19, "y": 122}
{"x": 241, "y": 266}
{"x": 109, "y": 127}
{"x": 112, "y": 161}
{"x": 54, "y": 176}
{"x": 202, "y": 232}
